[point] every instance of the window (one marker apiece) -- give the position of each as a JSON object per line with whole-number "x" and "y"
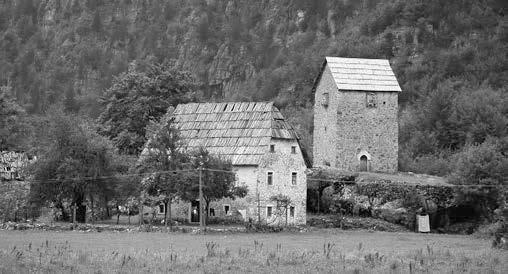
{"x": 272, "y": 148}
{"x": 270, "y": 178}
{"x": 226, "y": 210}
{"x": 326, "y": 99}
{"x": 293, "y": 178}
{"x": 211, "y": 212}
{"x": 293, "y": 149}
{"x": 292, "y": 211}
{"x": 268, "y": 211}
{"x": 161, "y": 208}
{"x": 371, "y": 100}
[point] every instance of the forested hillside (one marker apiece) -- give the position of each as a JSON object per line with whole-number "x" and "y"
{"x": 450, "y": 57}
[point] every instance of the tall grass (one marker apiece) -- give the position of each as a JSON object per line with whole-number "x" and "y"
{"x": 60, "y": 257}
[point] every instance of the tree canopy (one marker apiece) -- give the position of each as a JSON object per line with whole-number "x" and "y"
{"x": 136, "y": 98}
{"x": 77, "y": 165}
{"x": 11, "y": 121}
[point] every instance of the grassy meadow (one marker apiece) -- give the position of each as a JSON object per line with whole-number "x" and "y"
{"x": 323, "y": 251}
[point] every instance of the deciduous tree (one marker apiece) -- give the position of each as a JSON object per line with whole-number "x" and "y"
{"x": 136, "y": 98}
{"x": 78, "y": 164}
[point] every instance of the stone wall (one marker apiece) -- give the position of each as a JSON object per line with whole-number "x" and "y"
{"x": 282, "y": 163}
{"x": 347, "y": 128}
{"x": 12, "y": 164}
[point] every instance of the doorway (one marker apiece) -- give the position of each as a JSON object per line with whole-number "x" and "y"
{"x": 363, "y": 163}
{"x": 194, "y": 214}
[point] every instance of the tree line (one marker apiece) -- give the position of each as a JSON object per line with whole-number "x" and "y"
{"x": 126, "y": 158}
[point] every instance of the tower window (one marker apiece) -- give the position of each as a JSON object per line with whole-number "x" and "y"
{"x": 293, "y": 149}
{"x": 293, "y": 178}
{"x": 326, "y": 99}
{"x": 272, "y": 148}
{"x": 292, "y": 211}
{"x": 371, "y": 100}
{"x": 161, "y": 208}
{"x": 269, "y": 180}
{"x": 269, "y": 211}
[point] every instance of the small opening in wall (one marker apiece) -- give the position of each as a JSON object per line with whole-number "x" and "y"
{"x": 270, "y": 178}
{"x": 272, "y": 148}
{"x": 293, "y": 178}
{"x": 326, "y": 99}
{"x": 363, "y": 163}
{"x": 161, "y": 208}
{"x": 384, "y": 103}
{"x": 268, "y": 211}
{"x": 293, "y": 149}
{"x": 226, "y": 209}
{"x": 292, "y": 211}
{"x": 212, "y": 212}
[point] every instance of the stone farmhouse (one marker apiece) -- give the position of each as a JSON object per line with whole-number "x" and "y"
{"x": 355, "y": 115}
{"x": 264, "y": 150}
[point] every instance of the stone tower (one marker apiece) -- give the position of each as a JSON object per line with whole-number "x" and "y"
{"x": 355, "y": 115}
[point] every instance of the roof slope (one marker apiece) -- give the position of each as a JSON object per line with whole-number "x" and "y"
{"x": 238, "y": 131}
{"x": 362, "y": 74}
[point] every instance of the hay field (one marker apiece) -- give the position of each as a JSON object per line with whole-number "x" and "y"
{"x": 323, "y": 251}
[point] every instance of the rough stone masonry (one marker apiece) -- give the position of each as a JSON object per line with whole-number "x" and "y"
{"x": 355, "y": 115}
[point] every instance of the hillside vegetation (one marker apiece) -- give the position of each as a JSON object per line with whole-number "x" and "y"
{"x": 450, "y": 57}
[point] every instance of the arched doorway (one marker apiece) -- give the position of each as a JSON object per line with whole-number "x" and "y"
{"x": 363, "y": 163}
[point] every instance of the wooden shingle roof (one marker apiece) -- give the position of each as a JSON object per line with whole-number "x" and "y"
{"x": 362, "y": 74}
{"x": 238, "y": 131}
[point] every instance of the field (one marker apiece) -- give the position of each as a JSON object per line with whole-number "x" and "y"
{"x": 328, "y": 251}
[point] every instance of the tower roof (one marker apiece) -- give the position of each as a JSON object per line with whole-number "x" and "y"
{"x": 362, "y": 74}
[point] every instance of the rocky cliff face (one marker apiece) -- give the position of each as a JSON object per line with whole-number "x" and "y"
{"x": 57, "y": 51}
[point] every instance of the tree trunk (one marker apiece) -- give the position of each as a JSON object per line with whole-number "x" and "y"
{"x": 169, "y": 212}
{"x": 207, "y": 205}
{"x": 140, "y": 214}
{"x": 117, "y": 214}
{"x": 318, "y": 200}
{"x": 286, "y": 216}
{"x": 165, "y": 214}
{"x": 92, "y": 212}
{"x": 108, "y": 214}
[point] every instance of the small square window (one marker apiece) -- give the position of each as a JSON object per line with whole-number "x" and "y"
{"x": 293, "y": 149}
{"x": 270, "y": 178}
{"x": 272, "y": 148}
{"x": 292, "y": 211}
{"x": 371, "y": 100}
{"x": 161, "y": 208}
{"x": 269, "y": 211}
{"x": 293, "y": 178}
